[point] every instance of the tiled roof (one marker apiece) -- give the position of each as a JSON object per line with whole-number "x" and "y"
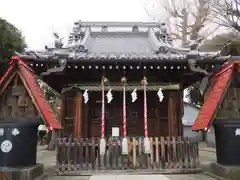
{"x": 113, "y": 42}
{"x": 36, "y": 93}
{"x": 214, "y": 98}
{"x": 119, "y": 43}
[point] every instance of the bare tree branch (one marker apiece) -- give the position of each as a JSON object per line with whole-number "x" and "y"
{"x": 227, "y": 13}
{"x": 188, "y": 17}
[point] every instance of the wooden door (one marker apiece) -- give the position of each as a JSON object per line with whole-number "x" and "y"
{"x": 95, "y": 120}
{"x": 113, "y": 115}
{"x": 135, "y": 116}
{"x": 69, "y": 115}
{"x": 113, "y": 118}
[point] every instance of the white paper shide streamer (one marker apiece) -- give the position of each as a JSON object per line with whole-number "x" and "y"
{"x": 85, "y": 96}
{"x": 160, "y": 94}
{"x": 109, "y": 96}
{"x": 134, "y": 95}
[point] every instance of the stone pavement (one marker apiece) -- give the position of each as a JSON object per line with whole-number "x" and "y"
{"x": 206, "y": 154}
{"x": 137, "y": 177}
{"x": 203, "y": 147}
{"x": 48, "y": 158}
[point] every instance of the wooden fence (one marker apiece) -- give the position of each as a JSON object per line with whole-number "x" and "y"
{"x": 166, "y": 153}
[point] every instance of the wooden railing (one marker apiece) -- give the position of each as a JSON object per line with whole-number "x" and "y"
{"x": 166, "y": 153}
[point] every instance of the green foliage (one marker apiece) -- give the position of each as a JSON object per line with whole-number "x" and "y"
{"x": 11, "y": 40}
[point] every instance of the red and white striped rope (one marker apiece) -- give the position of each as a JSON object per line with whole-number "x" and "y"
{"x": 124, "y": 113}
{"x": 103, "y": 112}
{"x": 145, "y": 111}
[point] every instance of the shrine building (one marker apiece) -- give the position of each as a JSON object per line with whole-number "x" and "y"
{"x": 121, "y": 80}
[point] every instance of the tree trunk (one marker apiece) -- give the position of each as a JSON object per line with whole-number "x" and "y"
{"x": 185, "y": 23}
{"x": 53, "y": 141}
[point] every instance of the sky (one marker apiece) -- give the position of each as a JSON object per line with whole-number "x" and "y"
{"x": 37, "y": 19}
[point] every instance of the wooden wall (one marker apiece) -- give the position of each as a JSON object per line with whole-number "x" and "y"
{"x": 16, "y": 102}
{"x": 164, "y": 118}
{"x": 230, "y": 107}
{"x": 157, "y": 115}
{"x": 68, "y": 112}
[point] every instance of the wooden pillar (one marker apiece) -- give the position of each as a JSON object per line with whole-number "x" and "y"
{"x": 181, "y": 113}
{"x": 62, "y": 113}
{"x": 157, "y": 127}
{"x": 172, "y": 114}
{"x": 78, "y": 115}
{"x": 86, "y": 121}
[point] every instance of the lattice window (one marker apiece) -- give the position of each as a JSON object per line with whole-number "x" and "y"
{"x": 22, "y": 101}
{"x": 14, "y": 113}
{"x": 229, "y": 106}
{"x": 21, "y": 111}
{"x": 11, "y": 101}
{"x": 18, "y": 90}
{"x": 2, "y": 114}
{"x": 134, "y": 115}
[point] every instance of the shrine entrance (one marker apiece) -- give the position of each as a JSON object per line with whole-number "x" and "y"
{"x": 80, "y": 155}
{"x": 157, "y": 115}
{"x": 113, "y": 115}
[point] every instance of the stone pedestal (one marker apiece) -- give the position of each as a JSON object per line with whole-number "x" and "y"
{"x": 28, "y": 173}
{"x": 228, "y": 172}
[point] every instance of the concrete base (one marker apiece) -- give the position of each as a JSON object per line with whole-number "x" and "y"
{"x": 227, "y": 172}
{"x": 25, "y": 173}
{"x": 211, "y": 144}
{"x": 130, "y": 172}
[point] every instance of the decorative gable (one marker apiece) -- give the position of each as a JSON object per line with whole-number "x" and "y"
{"x": 15, "y": 100}
{"x": 21, "y": 96}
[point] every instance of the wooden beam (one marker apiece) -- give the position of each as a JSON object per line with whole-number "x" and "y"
{"x": 86, "y": 121}
{"x": 129, "y": 87}
{"x": 172, "y": 114}
{"x": 180, "y": 110}
{"x": 15, "y": 107}
{"x": 78, "y": 115}
{"x": 62, "y": 112}
{"x": 76, "y": 131}
{"x": 170, "y": 110}
{"x": 7, "y": 83}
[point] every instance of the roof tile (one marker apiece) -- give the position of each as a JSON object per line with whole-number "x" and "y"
{"x": 214, "y": 98}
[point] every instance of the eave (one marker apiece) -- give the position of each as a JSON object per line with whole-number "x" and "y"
{"x": 121, "y": 59}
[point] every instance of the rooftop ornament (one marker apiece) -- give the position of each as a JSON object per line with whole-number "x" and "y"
{"x": 85, "y": 45}
{"x": 135, "y": 29}
{"x": 57, "y": 41}
{"x": 104, "y": 29}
